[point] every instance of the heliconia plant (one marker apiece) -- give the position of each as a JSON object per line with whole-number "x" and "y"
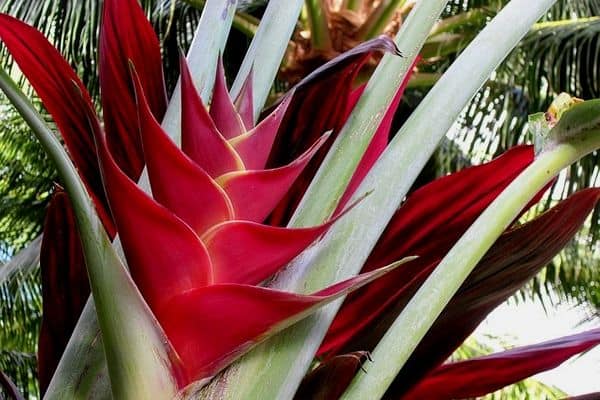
{"x": 175, "y": 207}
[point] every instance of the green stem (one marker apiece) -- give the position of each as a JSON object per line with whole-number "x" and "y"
{"x": 267, "y": 49}
{"x": 426, "y": 305}
{"x": 243, "y": 22}
{"x": 423, "y": 80}
{"x": 246, "y": 23}
{"x": 317, "y": 19}
{"x": 474, "y": 16}
{"x": 380, "y": 18}
{"x": 138, "y": 362}
{"x": 444, "y": 44}
{"x": 564, "y": 22}
{"x": 353, "y": 5}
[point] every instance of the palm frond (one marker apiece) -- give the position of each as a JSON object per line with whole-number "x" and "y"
{"x": 573, "y": 277}
{"x": 26, "y": 178}
{"x": 20, "y": 307}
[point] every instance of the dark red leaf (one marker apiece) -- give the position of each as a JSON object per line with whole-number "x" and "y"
{"x": 427, "y": 224}
{"x": 482, "y": 375}
{"x": 177, "y": 182}
{"x": 65, "y": 286}
{"x": 211, "y": 326}
{"x": 200, "y": 138}
{"x": 321, "y": 103}
{"x": 513, "y": 260}
{"x": 53, "y": 79}
{"x": 254, "y": 194}
{"x": 127, "y": 36}
{"x": 331, "y": 378}
{"x": 222, "y": 110}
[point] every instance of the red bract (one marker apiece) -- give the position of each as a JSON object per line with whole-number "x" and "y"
{"x": 53, "y": 79}
{"x": 196, "y": 279}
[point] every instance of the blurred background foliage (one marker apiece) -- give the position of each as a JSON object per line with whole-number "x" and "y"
{"x": 561, "y": 53}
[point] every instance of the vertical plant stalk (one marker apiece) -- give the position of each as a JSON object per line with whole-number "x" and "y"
{"x": 317, "y": 19}
{"x": 380, "y": 18}
{"x": 243, "y": 22}
{"x": 351, "y": 4}
{"x": 426, "y": 305}
{"x": 138, "y": 361}
{"x": 267, "y": 49}
{"x": 274, "y": 370}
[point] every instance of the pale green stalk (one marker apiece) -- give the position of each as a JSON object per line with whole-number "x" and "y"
{"x": 243, "y": 22}
{"x": 267, "y": 49}
{"x": 317, "y": 19}
{"x": 380, "y": 18}
{"x": 425, "y": 306}
{"x": 352, "y": 4}
{"x": 138, "y": 362}
{"x": 275, "y": 369}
